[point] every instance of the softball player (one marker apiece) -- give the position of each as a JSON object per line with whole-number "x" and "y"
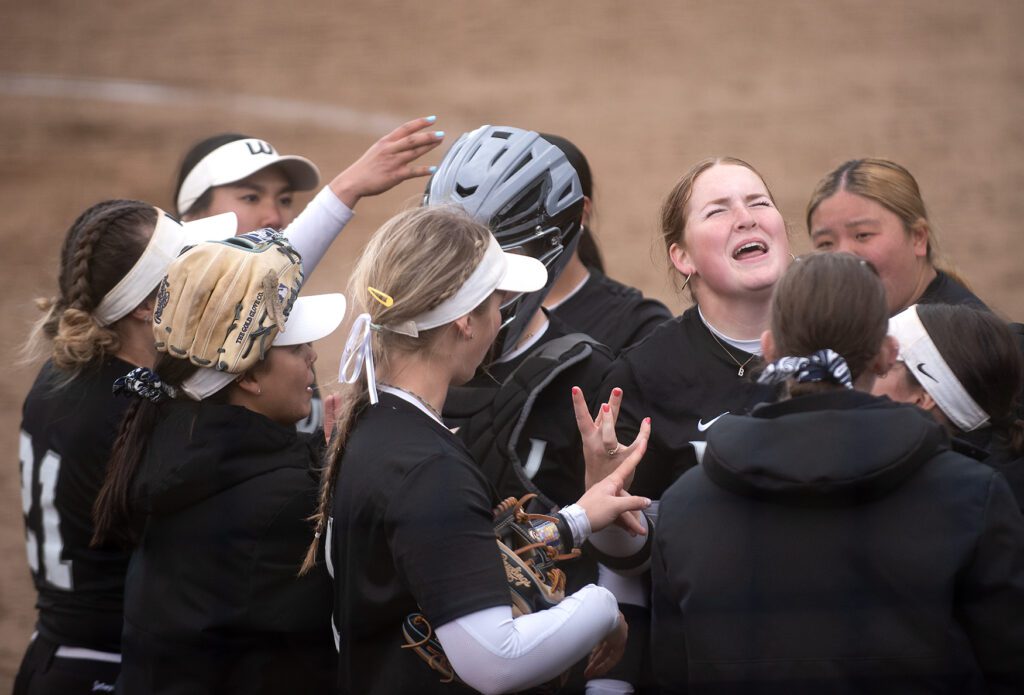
{"x": 406, "y": 511}
{"x": 211, "y": 486}
{"x": 245, "y": 175}
{"x": 727, "y": 240}
{"x": 962, "y": 365}
{"x": 95, "y": 330}
{"x": 873, "y": 208}
{"x": 831, "y": 542}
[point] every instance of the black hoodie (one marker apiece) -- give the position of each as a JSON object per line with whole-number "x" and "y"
{"x": 212, "y": 601}
{"x": 833, "y": 543}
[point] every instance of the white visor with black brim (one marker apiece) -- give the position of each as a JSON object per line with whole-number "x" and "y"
{"x": 170, "y": 237}
{"x": 922, "y": 358}
{"x": 237, "y": 160}
{"x": 311, "y": 318}
{"x": 497, "y": 271}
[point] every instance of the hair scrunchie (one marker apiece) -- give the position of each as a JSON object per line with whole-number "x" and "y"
{"x": 143, "y": 382}
{"x": 823, "y": 365}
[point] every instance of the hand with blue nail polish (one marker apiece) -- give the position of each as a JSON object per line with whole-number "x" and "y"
{"x": 388, "y": 162}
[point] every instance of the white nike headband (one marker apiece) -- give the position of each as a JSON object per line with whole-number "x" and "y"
{"x": 497, "y": 271}
{"x": 925, "y": 362}
{"x": 169, "y": 238}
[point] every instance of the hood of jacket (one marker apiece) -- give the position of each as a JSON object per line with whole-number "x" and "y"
{"x": 199, "y": 449}
{"x": 834, "y": 448}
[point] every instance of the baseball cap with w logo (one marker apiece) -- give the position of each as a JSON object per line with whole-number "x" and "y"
{"x": 235, "y": 160}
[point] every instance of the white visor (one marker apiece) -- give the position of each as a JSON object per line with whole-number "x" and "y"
{"x": 925, "y": 362}
{"x": 497, "y": 271}
{"x": 311, "y": 318}
{"x": 235, "y": 161}
{"x": 169, "y": 238}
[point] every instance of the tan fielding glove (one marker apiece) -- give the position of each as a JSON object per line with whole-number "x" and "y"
{"x": 222, "y": 303}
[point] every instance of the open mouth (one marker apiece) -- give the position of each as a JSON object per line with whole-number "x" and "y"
{"x": 750, "y": 249}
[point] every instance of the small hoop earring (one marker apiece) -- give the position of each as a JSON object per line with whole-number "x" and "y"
{"x": 792, "y": 256}
{"x": 686, "y": 282}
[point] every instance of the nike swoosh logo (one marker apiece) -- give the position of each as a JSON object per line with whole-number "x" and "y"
{"x": 701, "y": 425}
{"x": 920, "y": 368}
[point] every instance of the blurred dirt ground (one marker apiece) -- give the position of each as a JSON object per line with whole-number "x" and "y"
{"x": 645, "y": 89}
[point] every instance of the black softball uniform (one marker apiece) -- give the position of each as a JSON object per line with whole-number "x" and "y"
{"x": 832, "y": 543}
{"x": 67, "y": 432}
{"x": 412, "y": 530}
{"x": 682, "y": 379}
{"x": 549, "y": 446}
{"x": 615, "y": 314}
{"x": 212, "y": 600}
{"x": 943, "y": 289}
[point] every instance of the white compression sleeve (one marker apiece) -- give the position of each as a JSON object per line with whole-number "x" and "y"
{"x": 494, "y": 653}
{"x": 312, "y": 232}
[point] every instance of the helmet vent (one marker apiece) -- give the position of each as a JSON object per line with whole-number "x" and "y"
{"x": 465, "y": 191}
{"x": 527, "y": 158}
{"x": 503, "y": 134}
{"x": 566, "y": 192}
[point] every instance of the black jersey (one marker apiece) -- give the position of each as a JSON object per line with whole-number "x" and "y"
{"x": 67, "y": 432}
{"x": 682, "y": 379}
{"x": 943, "y": 289}
{"x": 549, "y": 446}
{"x": 412, "y": 530}
{"x": 615, "y": 314}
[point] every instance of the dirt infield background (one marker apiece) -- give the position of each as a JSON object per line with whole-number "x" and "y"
{"x": 100, "y": 100}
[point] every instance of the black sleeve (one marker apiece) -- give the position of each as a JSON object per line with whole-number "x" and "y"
{"x": 668, "y": 640}
{"x": 992, "y": 606}
{"x": 441, "y": 533}
{"x": 647, "y": 316}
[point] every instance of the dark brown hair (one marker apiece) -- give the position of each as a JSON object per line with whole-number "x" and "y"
{"x": 99, "y": 249}
{"x": 115, "y": 519}
{"x": 980, "y": 349}
{"x": 830, "y": 301}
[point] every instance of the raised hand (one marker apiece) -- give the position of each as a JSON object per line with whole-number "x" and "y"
{"x": 388, "y": 162}
{"x": 602, "y": 451}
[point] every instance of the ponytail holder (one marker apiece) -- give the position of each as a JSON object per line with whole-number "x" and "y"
{"x": 358, "y": 355}
{"x": 383, "y": 297}
{"x": 823, "y": 365}
{"x": 142, "y": 382}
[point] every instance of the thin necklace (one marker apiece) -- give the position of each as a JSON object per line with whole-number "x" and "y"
{"x": 421, "y": 399}
{"x": 741, "y": 366}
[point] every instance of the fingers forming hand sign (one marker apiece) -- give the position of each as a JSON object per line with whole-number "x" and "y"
{"x": 602, "y": 451}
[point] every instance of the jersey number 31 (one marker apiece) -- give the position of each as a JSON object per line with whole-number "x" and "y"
{"x": 45, "y": 533}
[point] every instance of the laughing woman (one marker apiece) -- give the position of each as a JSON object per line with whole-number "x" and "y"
{"x": 727, "y": 240}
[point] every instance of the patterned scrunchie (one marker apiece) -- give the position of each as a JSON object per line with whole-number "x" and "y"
{"x": 143, "y": 383}
{"x": 823, "y": 365}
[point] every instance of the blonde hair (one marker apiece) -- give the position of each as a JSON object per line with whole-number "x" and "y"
{"x": 419, "y": 258}
{"x": 99, "y": 249}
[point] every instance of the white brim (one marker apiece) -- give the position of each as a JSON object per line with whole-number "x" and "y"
{"x": 522, "y": 274}
{"x": 312, "y": 318}
{"x": 214, "y": 228}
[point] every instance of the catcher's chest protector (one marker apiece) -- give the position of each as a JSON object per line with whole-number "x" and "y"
{"x": 491, "y": 418}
